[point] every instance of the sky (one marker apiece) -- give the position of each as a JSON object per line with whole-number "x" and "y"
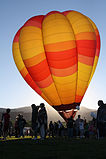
{"x": 14, "y": 91}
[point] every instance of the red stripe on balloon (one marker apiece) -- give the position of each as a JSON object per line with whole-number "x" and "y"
{"x": 86, "y": 47}
{"x": 78, "y": 98}
{"x": 16, "y": 38}
{"x": 66, "y": 12}
{"x": 52, "y": 12}
{"x": 63, "y": 63}
{"x": 35, "y": 21}
{"x": 40, "y": 71}
{"x": 61, "y": 55}
{"x": 98, "y": 45}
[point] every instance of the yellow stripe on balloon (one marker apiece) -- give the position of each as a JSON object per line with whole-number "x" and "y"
{"x": 68, "y": 86}
{"x": 79, "y": 22}
{"x": 65, "y": 79}
{"x": 51, "y": 94}
{"x": 64, "y": 83}
{"x": 67, "y": 99}
{"x": 56, "y": 28}
{"x": 94, "y": 67}
{"x": 17, "y": 57}
{"x": 81, "y": 91}
{"x": 46, "y": 99}
{"x": 30, "y": 46}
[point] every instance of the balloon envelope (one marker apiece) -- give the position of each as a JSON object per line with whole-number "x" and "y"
{"x": 57, "y": 55}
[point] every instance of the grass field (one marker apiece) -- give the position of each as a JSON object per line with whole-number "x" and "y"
{"x": 53, "y": 149}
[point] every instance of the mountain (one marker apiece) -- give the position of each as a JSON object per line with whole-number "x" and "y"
{"x": 26, "y": 112}
{"x": 52, "y": 114}
{"x": 86, "y": 113}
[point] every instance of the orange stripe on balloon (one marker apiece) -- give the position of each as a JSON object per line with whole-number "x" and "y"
{"x": 24, "y": 71}
{"x": 34, "y": 60}
{"x": 86, "y": 47}
{"x": 97, "y": 32}
{"x": 86, "y": 60}
{"x": 60, "y": 46}
{"x": 64, "y": 72}
{"x": 86, "y": 36}
{"x": 61, "y": 55}
{"x": 46, "y": 82}
{"x": 63, "y": 63}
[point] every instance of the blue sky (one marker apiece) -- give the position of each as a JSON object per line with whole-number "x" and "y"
{"x": 14, "y": 91}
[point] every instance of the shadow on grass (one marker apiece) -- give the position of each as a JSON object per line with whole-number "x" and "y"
{"x": 53, "y": 149}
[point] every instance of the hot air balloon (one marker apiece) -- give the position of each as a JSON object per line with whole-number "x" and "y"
{"x": 57, "y": 55}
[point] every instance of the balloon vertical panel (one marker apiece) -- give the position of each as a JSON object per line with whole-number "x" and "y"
{"x": 86, "y": 49}
{"x": 60, "y": 48}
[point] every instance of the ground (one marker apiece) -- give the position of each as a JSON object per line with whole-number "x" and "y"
{"x": 53, "y": 149}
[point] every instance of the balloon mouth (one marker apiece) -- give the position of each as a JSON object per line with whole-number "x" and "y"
{"x": 65, "y": 107}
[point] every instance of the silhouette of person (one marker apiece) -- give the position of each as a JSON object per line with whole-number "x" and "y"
{"x": 34, "y": 119}
{"x": 42, "y": 118}
{"x": 51, "y": 129}
{"x": 1, "y": 128}
{"x": 77, "y": 122}
{"x": 21, "y": 122}
{"x": 70, "y": 126}
{"x": 6, "y": 122}
{"x": 101, "y": 119}
{"x": 16, "y": 126}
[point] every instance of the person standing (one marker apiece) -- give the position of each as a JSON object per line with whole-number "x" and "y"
{"x": 101, "y": 120}
{"x": 6, "y": 122}
{"x": 81, "y": 128}
{"x": 21, "y": 122}
{"x": 51, "y": 129}
{"x": 60, "y": 128}
{"x": 70, "y": 125}
{"x": 77, "y": 125}
{"x": 42, "y": 118}
{"x": 34, "y": 119}
{"x": 16, "y": 126}
{"x": 1, "y": 128}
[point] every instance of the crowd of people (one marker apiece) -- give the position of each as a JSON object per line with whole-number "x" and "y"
{"x": 73, "y": 128}
{"x": 40, "y": 126}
